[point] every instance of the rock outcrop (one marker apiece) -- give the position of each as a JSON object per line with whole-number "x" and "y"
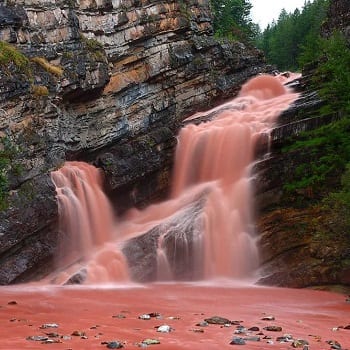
{"x": 338, "y": 18}
{"x": 107, "y": 82}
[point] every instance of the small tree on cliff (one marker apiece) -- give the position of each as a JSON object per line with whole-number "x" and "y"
{"x": 232, "y": 19}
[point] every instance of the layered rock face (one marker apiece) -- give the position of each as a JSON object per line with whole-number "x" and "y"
{"x": 105, "y": 81}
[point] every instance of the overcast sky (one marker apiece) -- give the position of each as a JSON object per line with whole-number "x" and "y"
{"x": 264, "y": 11}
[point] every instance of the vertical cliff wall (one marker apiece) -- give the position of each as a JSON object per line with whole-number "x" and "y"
{"x": 106, "y": 81}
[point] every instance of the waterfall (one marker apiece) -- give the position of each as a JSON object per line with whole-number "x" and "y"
{"x": 206, "y": 228}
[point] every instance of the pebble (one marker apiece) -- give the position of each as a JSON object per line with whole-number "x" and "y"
{"x": 145, "y": 317}
{"x": 285, "y": 338}
{"x": 268, "y": 318}
{"x": 164, "y": 329}
{"x": 273, "y": 328}
{"x": 254, "y": 329}
{"x": 238, "y": 341}
{"x": 119, "y": 316}
{"x": 52, "y": 335}
{"x": 51, "y": 341}
{"x": 334, "y": 344}
{"x": 149, "y": 341}
{"x": 79, "y": 333}
{"x": 217, "y": 320}
{"x": 300, "y": 343}
{"x": 202, "y": 324}
{"x": 66, "y": 337}
{"x": 12, "y": 302}
{"x": 48, "y": 325}
{"x": 115, "y": 345}
{"x": 37, "y": 338}
{"x": 240, "y": 330}
{"x": 174, "y": 318}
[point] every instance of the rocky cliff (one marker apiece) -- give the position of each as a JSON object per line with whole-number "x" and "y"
{"x": 105, "y": 81}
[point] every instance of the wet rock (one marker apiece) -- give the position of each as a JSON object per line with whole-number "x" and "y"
{"x": 164, "y": 329}
{"x": 285, "y": 338}
{"x": 66, "y": 337}
{"x": 334, "y": 344}
{"x": 150, "y": 341}
{"x": 51, "y": 341}
{"x": 238, "y": 341}
{"x": 37, "y": 338}
{"x": 273, "y": 328}
{"x": 145, "y": 317}
{"x": 52, "y": 335}
{"x": 254, "y": 329}
{"x": 268, "y": 318}
{"x": 347, "y": 327}
{"x": 217, "y": 320}
{"x": 13, "y": 302}
{"x": 77, "y": 278}
{"x": 48, "y": 325}
{"x": 202, "y": 324}
{"x": 300, "y": 343}
{"x": 240, "y": 330}
{"x": 174, "y": 318}
{"x": 115, "y": 344}
{"x": 79, "y": 333}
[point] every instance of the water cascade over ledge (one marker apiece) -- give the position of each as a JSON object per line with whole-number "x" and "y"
{"x": 204, "y": 230}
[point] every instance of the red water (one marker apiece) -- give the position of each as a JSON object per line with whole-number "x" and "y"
{"x": 107, "y": 314}
{"x": 212, "y": 160}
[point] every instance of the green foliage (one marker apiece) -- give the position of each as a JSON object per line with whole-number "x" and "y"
{"x": 7, "y": 154}
{"x": 332, "y": 76}
{"x": 94, "y": 47}
{"x": 338, "y": 203}
{"x": 328, "y": 151}
{"x": 10, "y": 55}
{"x": 294, "y": 38}
{"x": 232, "y": 20}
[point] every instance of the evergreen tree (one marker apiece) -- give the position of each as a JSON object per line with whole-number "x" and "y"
{"x": 232, "y": 19}
{"x": 294, "y": 38}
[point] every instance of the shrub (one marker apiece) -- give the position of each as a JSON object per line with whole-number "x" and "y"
{"x": 51, "y": 68}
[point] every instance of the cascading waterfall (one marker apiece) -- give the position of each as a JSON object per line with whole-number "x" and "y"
{"x": 213, "y": 163}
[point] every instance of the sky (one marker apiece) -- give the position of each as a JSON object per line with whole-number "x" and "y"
{"x": 264, "y": 11}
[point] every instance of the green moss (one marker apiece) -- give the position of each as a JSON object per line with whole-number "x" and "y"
{"x": 9, "y": 54}
{"x": 8, "y": 151}
{"x": 94, "y": 47}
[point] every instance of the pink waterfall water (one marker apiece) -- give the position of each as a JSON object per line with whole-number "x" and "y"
{"x": 86, "y": 226}
{"x": 213, "y": 159}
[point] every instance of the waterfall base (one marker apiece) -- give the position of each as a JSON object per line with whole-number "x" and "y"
{"x": 102, "y": 315}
